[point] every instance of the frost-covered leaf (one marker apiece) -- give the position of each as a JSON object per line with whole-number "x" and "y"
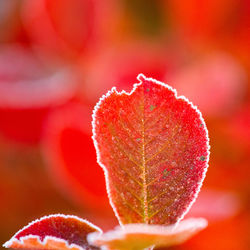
{"x": 141, "y": 236}
{"x": 56, "y": 232}
{"x": 154, "y": 149}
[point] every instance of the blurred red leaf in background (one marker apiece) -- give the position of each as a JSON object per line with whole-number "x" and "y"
{"x": 218, "y": 77}
{"x": 59, "y": 27}
{"x": 28, "y": 90}
{"x": 71, "y": 158}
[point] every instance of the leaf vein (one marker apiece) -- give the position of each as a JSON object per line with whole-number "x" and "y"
{"x": 126, "y": 202}
{"x": 118, "y": 144}
{"x": 131, "y": 176}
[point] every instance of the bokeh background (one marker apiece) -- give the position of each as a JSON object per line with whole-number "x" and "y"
{"x": 57, "y": 57}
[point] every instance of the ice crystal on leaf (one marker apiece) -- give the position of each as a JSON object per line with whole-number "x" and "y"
{"x": 153, "y": 147}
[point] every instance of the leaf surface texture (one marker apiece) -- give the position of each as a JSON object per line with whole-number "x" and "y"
{"x": 154, "y": 149}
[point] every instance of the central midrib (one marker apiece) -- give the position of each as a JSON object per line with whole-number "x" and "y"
{"x": 145, "y": 195}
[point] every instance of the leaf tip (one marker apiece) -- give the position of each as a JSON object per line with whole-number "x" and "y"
{"x": 141, "y": 77}
{"x": 10, "y": 242}
{"x": 7, "y": 244}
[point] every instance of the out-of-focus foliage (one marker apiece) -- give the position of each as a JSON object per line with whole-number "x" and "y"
{"x": 55, "y": 53}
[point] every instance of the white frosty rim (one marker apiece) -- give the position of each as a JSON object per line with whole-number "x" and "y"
{"x": 46, "y": 238}
{"x": 119, "y": 233}
{"x": 141, "y": 77}
{"x": 43, "y": 242}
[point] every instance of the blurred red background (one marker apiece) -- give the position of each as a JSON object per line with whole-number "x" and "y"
{"x": 57, "y": 57}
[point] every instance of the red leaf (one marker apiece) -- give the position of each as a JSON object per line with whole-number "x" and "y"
{"x": 71, "y": 156}
{"x": 215, "y": 205}
{"x": 218, "y": 77}
{"x": 154, "y": 149}
{"x": 60, "y": 27}
{"x": 141, "y": 236}
{"x": 28, "y": 91}
{"x": 54, "y": 232}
